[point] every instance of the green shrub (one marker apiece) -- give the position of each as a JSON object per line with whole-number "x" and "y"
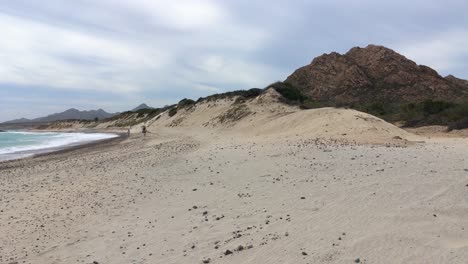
{"x": 172, "y": 112}
{"x": 148, "y": 112}
{"x": 247, "y": 94}
{"x": 186, "y": 103}
{"x": 290, "y": 93}
{"x": 434, "y": 107}
{"x": 457, "y": 112}
{"x": 461, "y": 124}
{"x": 234, "y": 114}
{"x": 310, "y": 104}
{"x": 240, "y": 100}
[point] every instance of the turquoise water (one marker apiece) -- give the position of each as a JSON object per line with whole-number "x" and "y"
{"x": 17, "y": 144}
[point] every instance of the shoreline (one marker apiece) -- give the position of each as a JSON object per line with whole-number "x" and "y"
{"x": 120, "y": 136}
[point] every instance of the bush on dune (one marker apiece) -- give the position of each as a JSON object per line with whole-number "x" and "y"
{"x": 294, "y": 96}
{"x": 172, "y": 112}
{"x": 246, "y": 94}
{"x": 186, "y": 103}
{"x": 461, "y": 124}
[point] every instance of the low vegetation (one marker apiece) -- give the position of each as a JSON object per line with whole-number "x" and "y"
{"x": 172, "y": 112}
{"x": 234, "y": 114}
{"x": 246, "y": 94}
{"x": 132, "y": 118}
{"x": 186, "y": 103}
{"x": 452, "y": 115}
{"x": 294, "y": 96}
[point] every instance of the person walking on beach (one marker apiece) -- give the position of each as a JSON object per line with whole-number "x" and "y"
{"x": 128, "y": 132}
{"x": 143, "y": 130}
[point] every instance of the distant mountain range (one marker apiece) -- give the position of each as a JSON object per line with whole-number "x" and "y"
{"x": 142, "y": 106}
{"x": 71, "y": 113}
{"x": 76, "y": 114}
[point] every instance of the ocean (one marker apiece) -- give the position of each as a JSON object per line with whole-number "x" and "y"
{"x": 19, "y": 144}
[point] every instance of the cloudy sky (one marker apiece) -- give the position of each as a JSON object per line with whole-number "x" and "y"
{"x": 116, "y": 54}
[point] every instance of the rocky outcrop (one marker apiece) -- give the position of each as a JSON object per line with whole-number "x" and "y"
{"x": 374, "y": 73}
{"x": 457, "y": 81}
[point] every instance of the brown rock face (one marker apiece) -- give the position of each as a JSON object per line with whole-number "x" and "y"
{"x": 374, "y": 73}
{"x": 457, "y": 81}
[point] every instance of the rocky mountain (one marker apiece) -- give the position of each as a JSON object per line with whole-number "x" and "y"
{"x": 374, "y": 73}
{"x": 142, "y": 106}
{"x": 457, "y": 81}
{"x": 71, "y": 113}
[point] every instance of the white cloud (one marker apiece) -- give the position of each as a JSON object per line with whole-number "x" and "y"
{"x": 206, "y": 88}
{"x": 210, "y": 63}
{"x": 229, "y": 70}
{"x": 113, "y": 58}
{"x": 444, "y": 52}
{"x": 33, "y": 53}
{"x": 180, "y": 14}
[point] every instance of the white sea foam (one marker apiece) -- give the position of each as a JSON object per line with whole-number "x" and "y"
{"x": 30, "y": 143}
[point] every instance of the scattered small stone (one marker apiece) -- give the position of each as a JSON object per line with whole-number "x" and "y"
{"x": 304, "y": 253}
{"x": 357, "y": 260}
{"x": 227, "y": 252}
{"x": 302, "y": 198}
{"x": 206, "y": 260}
{"x": 240, "y": 248}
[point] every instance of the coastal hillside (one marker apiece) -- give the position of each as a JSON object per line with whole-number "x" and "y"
{"x": 253, "y": 113}
{"x": 374, "y": 80}
{"x": 374, "y": 73}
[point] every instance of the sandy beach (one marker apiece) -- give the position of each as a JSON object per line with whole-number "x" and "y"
{"x": 201, "y": 196}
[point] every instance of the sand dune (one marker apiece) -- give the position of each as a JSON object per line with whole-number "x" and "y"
{"x": 266, "y": 116}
